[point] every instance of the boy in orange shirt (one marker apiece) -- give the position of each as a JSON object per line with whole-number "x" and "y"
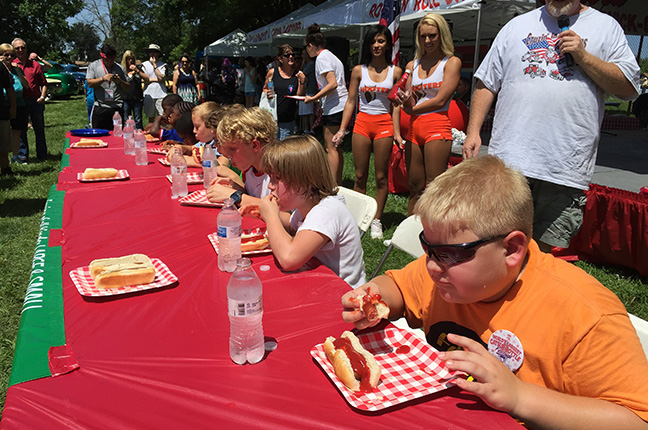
{"x": 543, "y": 340}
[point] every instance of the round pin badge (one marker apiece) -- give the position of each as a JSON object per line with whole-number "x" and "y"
{"x": 507, "y": 348}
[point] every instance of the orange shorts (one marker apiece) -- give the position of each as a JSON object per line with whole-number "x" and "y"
{"x": 374, "y": 126}
{"x": 431, "y": 126}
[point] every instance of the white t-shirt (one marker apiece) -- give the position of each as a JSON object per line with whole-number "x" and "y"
{"x": 326, "y": 62}
{"x": 256, "y": 183}
{"x": 343, "y": 253}
{"x": 156, "y": 90}
{"x": 373, "y": 95}
{"x": 548, "y": 115}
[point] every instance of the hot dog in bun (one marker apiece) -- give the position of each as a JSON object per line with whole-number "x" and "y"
{"x": 135, "y": 269}
{"x": 373, "y": 307}
{"x": 104, "y": 173}
{"x": 355, "y": 366}
{"x": 90, "y": 142}
{"x": 254, "y": 240}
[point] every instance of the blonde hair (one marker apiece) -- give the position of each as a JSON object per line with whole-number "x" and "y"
{"x": 481, "y": 195}
{"x": 127, "y": 54}
{"x": 301, "y": 164}
{"x": 214, "y": 117}
{"x": 435, "y": 20}
{"x": 247, "y": 124}
{"x": 5, "y": 47}
{"x": 204, "y": 109}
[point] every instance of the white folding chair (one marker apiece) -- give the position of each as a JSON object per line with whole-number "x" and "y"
{"x": 641, "y": 327}
{"x": 406, "y": 239}
{"x": 362, "y": 206}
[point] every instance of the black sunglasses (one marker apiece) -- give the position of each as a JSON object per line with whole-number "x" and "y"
{"x": 289, "y": 55}
{"x": 450, "y": 255}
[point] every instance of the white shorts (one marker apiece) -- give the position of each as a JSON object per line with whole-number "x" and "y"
{"x": 305, "y": 108}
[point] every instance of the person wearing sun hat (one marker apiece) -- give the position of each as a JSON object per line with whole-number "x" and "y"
{"x": 156, "y": 89}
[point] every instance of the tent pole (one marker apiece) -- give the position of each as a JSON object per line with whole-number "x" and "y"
{"x": 361, "y": 37}
{"x": 477, "y": 43}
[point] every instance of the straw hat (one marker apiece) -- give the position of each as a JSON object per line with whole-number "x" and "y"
{"x": 153, "y": 47}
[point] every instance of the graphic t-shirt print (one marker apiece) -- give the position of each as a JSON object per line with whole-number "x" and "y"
{"x": 543, "y": 58}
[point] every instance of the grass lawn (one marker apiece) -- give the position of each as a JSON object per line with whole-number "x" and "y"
{"x": 23, "y": 196}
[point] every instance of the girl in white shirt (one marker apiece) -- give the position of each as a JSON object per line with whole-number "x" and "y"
{"x": 375, "y": 127}
{"x": 321, "y": 225}
{"x": 329, "y": 73}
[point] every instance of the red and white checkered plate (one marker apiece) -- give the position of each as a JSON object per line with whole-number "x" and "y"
{"x": 98, "y": 145}
{"x": 213, "y": 239}
{"x": 86, "y": 287}
{"x": 157, "y": 151}
{"x": 193, "y": 178}
{"x": 164, "y": 161}
{"x": 405, "y": 375}
{"x": 121, "y": 175}
{"x": 198, "y": 198}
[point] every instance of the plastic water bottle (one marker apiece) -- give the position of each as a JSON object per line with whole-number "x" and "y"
{"x": 117, "y": 124}
{"x": 178, "y": 175}
{"x": 141, "y": 159}
{"x": 209, "y": 165}
{"x": 271, "y": 92}
{"x": 129, "y": 135}
{"x": 245, "y": 309}
{"x": 229, "y": 236}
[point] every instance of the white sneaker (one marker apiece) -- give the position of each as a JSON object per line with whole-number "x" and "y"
{"x": 376, "y": 229}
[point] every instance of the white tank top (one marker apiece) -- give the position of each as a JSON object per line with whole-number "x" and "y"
{"x": 373, "y": 95}
{"x": 426, "y": 89}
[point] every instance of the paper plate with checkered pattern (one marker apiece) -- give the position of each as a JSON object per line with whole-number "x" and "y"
{"x": 121, "y": 175}
{"x": 97, "y": 145}
{"x": 415, "y": 372}
{"x": 193, "y": 178}
{"x": 198, "y": 198}
{"x": 157, "y": 151}
{"x": 213, "y": 239}
{"x": 164, "y": 161}
{"x": 86, "y": 287}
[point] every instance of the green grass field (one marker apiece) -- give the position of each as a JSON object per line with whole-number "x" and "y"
{"x": 23, "y": 196}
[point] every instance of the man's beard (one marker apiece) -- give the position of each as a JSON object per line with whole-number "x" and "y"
{"x": 557, "y": 10}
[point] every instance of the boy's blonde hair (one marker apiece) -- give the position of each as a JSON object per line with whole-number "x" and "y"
{"x": 435, "y": 20}
{"x": 482, "y": 195}
{"x": 214, "y": 117}
{"x": 247, "y": 124}
{"x": 204, "y": 109}
{"x": 301, "y": 164}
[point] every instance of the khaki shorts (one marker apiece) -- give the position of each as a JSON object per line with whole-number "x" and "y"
{"x": 152, "y": 107}
{"x": 557, "y": 212}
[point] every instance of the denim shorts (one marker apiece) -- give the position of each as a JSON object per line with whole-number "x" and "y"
{"x": 557, "y": 212}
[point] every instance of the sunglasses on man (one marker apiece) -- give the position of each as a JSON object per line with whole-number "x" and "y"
{"x": 450, "y": 255}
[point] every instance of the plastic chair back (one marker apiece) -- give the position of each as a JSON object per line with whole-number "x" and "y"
{"x": 406, "y": 239}
{"x": 362, "y": 207}
{"x": 641, "y": 327}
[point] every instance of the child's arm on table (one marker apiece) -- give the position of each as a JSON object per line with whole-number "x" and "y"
{"x": 538, "y": 407}
{"x": 291, "y": 252}
{"x": 227, "y": 173}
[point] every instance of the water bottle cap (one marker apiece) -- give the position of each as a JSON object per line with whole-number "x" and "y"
{"x": 243, "y": 262}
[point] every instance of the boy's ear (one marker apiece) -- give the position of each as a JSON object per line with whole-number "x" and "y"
{"x": 256, "y": 145}
{"x": 516, "y": 244}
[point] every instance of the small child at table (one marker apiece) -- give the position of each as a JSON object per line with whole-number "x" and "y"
{"x": 162, "y": 121}
{"x": 321, "y": 225}
{"x": 170, "y": 136}
{"x": 242, "y": 135}
{"x": 544, "y": 341}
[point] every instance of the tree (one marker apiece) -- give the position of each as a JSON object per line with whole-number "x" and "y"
{"x": 84, "y": 41}
{"x": 41, "y": 23}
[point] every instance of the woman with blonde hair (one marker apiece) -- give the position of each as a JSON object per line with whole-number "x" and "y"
{"x": 435, "y": 74}
{"x": 134, "y": 100}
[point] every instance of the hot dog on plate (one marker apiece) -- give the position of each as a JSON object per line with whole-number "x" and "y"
{"x": 254, "y": 240}
{"x": 355, "y": 366}
{"x": 103, "y": 173}
{"x": 135, "y": 269}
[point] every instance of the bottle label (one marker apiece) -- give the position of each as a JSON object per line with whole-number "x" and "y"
{"x": 178, "y": 170}
{"x": 206, "y": 163}
{"x": 244, "y": 309}
{"x": 228, "y": 232}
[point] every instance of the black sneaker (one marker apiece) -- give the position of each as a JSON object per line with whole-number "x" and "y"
{"x": 6, "y": 171}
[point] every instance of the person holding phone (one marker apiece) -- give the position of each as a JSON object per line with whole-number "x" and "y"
{"x": 106, "y": 77}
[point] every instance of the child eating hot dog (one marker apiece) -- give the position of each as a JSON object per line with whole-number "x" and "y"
{"x": 321, "y": 225}
{"x": 543, "y": 340}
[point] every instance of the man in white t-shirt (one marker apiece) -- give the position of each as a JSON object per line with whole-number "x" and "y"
{"x": 156, "y": 89}
{"x": 551, "y": 87}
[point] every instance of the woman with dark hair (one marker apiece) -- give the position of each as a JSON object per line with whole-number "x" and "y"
{"x": 288, "y": 80}
{"x": 435, "y": 74}
{"x": 375, "y": 127}
{"x": 332, "y": 94}
{"x": 185, "y": 81}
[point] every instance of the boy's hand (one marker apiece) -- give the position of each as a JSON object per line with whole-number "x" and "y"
{"x": 268, "y": 206}
{"x": 250, "y": 210}
{"x": 217, "y": 193}
{"x": 352, "y": 304}
{"x": 494, "y": 383}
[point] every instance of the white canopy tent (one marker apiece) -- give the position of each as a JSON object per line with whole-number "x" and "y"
{"x": 234, "y": 44}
